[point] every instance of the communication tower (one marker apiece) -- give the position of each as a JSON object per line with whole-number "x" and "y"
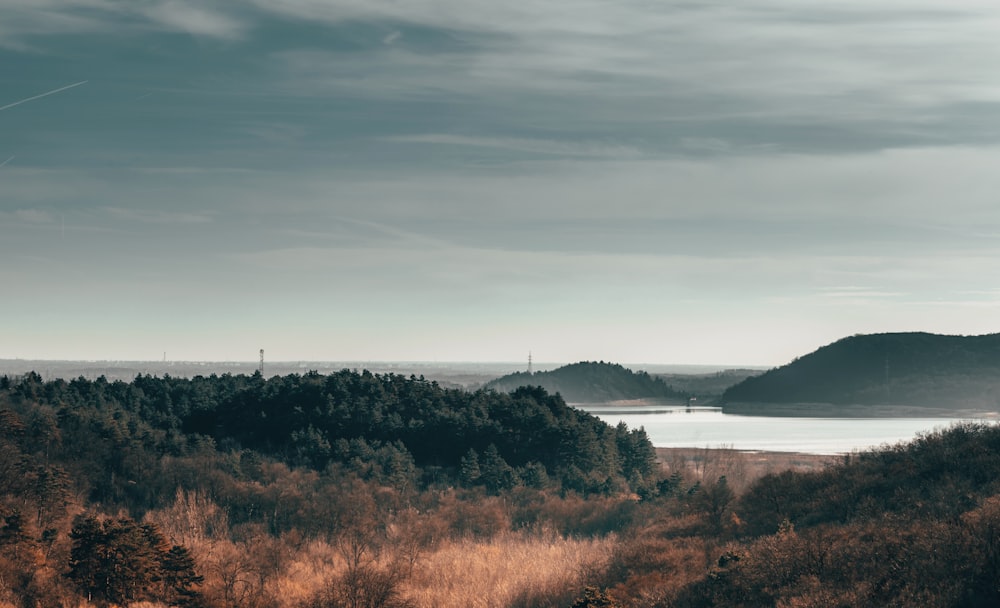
{"x": 529, "y": 363}
{"x": 261, "y": 369}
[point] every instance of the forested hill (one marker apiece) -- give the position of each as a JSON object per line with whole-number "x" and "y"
{"x": 917, "y": 369}
{"x": 399, "y": 431}
{"x": 592, "y": 382}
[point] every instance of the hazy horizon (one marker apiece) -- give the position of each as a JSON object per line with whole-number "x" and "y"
{"x": 467, "y": 374}
{"x": 444, "y": 181}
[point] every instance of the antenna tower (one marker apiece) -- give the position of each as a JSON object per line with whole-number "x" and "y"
{"x": 529, "y": 363}
{"x": 261, "y": 369}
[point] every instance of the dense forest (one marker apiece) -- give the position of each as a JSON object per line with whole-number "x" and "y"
{"x": 918, "y": 369}
{"x": 366, "y": 491}
{"x": 593, "y": 382}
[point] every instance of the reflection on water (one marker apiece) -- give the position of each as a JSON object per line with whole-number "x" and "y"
{"x": 680, "y": 426}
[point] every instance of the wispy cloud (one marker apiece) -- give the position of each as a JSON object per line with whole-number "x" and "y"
{"x": 27, "y": 216}
{"x": 841, "y": 293}
{"x": 195, "y": 19}
{"x": 26, "y": 20}
{"x": 556, "y": 148}
{"x": 157, "y": 216}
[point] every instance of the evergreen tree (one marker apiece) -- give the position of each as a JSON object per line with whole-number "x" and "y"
{"x": 116, "y": 561}
{"x": 469, "y": 471}
{"x": 495, "y": 473}
{"x": 179, "y": 578}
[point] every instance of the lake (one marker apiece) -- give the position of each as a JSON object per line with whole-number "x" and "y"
{"x": 679, "y": 427}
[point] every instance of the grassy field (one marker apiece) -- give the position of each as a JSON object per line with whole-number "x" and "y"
{"x": 740, "y": 467}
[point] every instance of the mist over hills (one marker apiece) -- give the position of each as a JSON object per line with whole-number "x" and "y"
{"x": 914, "y": 369}
{"x": 462, "y": 374}
{"x": 593, "y": 382}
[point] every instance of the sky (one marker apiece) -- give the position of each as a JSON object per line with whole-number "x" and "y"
{"x": 469, "y": 180}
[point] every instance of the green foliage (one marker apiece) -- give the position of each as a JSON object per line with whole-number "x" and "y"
{"x": 179, "y": 580}
{"x": 393, "y": 430}
{"x": 120, "y": 561}
{"x": 469, "y": 471}
{"x": 495, "y": 473}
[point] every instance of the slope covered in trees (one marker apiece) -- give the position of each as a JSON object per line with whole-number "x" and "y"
{"x": 322, "y": 491}
{"x": 593, "y": 382}
{"x": 398, "y": 429}
{"x": 918, "y": 369}
{"x": 111, "y": 490}
{"x": 915, "y": 524}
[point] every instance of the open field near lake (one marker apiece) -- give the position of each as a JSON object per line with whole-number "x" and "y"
{"x": 740, "y": 467}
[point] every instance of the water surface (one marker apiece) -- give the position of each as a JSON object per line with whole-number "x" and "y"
{"x": 678, "y": 426}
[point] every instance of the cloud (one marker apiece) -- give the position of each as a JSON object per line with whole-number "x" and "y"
{"x": 549, "y": 147}
{"x": 157, "y": 216}
{"x": 194, "y": 19}
{"x": 28, "y": 216}
{"x": 681, "y": 78}
{"x": 27, "y": 20}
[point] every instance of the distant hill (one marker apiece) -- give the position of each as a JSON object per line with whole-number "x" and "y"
{"x": 708, "y": 387}
{"x": 593, "y": 382}
{"x": 915, "y": 369}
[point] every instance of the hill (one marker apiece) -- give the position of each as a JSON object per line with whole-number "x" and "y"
{"x": 592, "y": 382}
{"x": 912, "y": 369}
{"x": 314, "y": 491}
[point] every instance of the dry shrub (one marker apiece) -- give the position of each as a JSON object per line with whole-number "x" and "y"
{"x": 480, "y": 519}
{"x": 191, "y": 520}
{"x": 647, "y": 567}
{"x": 241, "y": 574}
{"x": 307, "y": 572}
{"x": 573, "y": 515}
{"x": 509, "y": 570}
{"x": 366, "y": 586}
{"x": 706, "y": 465}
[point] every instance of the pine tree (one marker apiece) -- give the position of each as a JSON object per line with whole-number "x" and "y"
{"x": 469, "y": 467}
{"x": 116, "y": 561}
{"x": 179, "y": 578}
{"x": 495, "y": 472}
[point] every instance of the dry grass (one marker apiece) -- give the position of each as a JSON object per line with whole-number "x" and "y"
{"x": 741, "y": 468}
{"x": 504, "y": 571}
{"x": 538, "y": 568}
{"x": 508, "y": 570}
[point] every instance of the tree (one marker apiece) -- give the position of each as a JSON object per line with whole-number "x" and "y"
{"x": 469, "y": 471}
{"x": 179, "y": 578}
{"x": 367, "y": 586}
{"x": 495, "y": 472}
{"x": 117, "y": 561}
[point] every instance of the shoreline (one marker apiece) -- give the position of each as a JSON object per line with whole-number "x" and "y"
{"x": 855, "y": 410}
